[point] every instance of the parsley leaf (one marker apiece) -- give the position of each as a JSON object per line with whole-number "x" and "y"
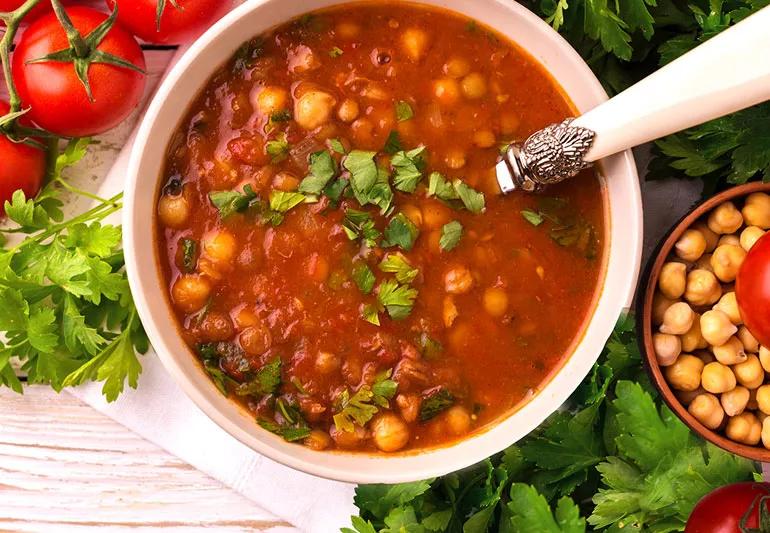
{"x": 403, "y": 111}
{"x": 363, "y": 173}
{"x": 471, "y": 199}
{"x": 533, "y": 217}
{"x": 434, "y": 403}
{"x": 397, "y": 299}
{"x": 439, "y": 187}
{"x": 322, "y": 169}
{"x": 278, "y": 148}
{"x": 361, "y": 407}
{"x": 335, "y": 52}
{"x": 370, "y": 313}
{"x": 337, "y": 146}
{"x": 289, "y": 422}
{"x": 400, "y": 232}
{"x": 282, "y": 201}
{"x": 189, "y": 255}
{"x": 360, "y": 225}
{"x": 363, "y": 277}
{"x": 283, "y": 115}
{"x": 451, "y": 233}
{"x": 392, "y": 143}
{"x": 230, "y": 202}
{"x": 529, "y": 511}
{"x": 407, "y": 167}
{"x": 399, "y": 265}
{"x": 266, "y": 381}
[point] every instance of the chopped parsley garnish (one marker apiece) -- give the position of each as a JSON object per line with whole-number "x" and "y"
{"x": 397, "y": 299}
{"x": 361, "y": 407}
{"x": 266, "y": 381}
{"x": 189, "y": 255}
{"x": 322, "y": 169}
{"x": 471, "y": 198}
{"x": 429, "y": 347}
{"x": 434, "y": 403}
{"x": 468, "y": 197}
{"x": 392, "y": 143}
{"x": 363, "y": 277}
{"x": 407, "y": 168}
{"x": 278, "y": 148}
{"x": 396, "y": 263}
{"x": 360, "y": 225}
{"x": 567, "y": 227}
{"x": 292, "y": 426}
{"x": 282, "y": 201}
{"x": 337, "y": 146}
{"x": 370, "y": 184}
{"x": 451, "y": 233}
{"x": 231, "y": 202}
{"x": 335, "y": 189}
{"x": 335, "y": 52}
{"x": 403, "y": 111}
{"x": 533, "y": 217}
{"x": 439, "y": 187}
{"x": 400, "y": 232}
{"x": 370, "y": 313}
{"x": 209, "y": 355}
{"x": 281, "y": 116}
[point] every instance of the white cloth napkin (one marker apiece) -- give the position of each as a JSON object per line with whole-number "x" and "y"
{"x": 160, "y": 412}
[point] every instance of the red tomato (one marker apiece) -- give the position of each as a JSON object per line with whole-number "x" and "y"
{"x": 58, "y": 99}
{"x": 177, "y": 25}
{"x": 722, "y": 510}
{"x": 23, "y": 167}
{"x": 752, "y": 290}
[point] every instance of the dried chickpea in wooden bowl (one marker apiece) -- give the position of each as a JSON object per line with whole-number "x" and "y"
{"x": 710, "y": 369}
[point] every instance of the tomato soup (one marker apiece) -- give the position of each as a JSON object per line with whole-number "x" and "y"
{"x": 336, "y": 250}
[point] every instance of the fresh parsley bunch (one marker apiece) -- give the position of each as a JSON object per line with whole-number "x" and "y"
{"x": 66, "y": 315}
{"x": 616, "y": 460}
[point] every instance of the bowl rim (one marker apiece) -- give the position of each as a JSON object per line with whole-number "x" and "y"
{"x": 648, "y": 286}
{"x": 613, "y": 294}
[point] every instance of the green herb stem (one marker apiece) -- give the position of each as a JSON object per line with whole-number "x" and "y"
{"x": 12, "y": 23}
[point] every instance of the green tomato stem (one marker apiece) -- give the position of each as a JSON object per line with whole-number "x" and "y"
{"x": 77, "y": 42}
{"x": 12, "y": 23}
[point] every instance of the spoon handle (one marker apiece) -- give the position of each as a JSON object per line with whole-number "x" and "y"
{"x": 727, "y": 73}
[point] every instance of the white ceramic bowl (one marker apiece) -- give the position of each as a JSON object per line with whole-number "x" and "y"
{"x": 190, "y": 74}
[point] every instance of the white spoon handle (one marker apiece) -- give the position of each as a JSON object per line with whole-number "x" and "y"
{"x": 728, "y": 73}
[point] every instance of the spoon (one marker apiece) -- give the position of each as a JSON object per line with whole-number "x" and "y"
{"x": 725, "y": 74}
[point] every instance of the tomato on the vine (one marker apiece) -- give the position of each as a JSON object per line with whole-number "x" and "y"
{"x": 752, "y": 290}
{"x": 44, "y": 69}
{"x": 23, "y": 167}
{"x": 736, "y": 508}
{"x": 181, "y": 20}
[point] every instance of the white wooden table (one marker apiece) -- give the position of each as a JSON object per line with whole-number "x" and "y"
{"x": 66, "y": 467}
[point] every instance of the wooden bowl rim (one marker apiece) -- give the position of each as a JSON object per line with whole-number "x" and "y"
{"x": 647, "y": 288}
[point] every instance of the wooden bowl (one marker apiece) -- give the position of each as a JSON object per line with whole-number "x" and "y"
{"x": 647, "y": 287}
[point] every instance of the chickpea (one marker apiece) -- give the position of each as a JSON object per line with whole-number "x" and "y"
{"x": 484, "y": 138}
{"x": 685, "y": 373}
{"x": 219, "y": 247}
{"x": 318, "y": 440}
{"x": 474, "y": 86}
{"x": 693, "y": 339}
{"x": 766, "y": 432}
{"x": 446, "y": 91}
{"x": 702, "y": 288}
{"x": 707, "y": 410}
{"x": 457, "y": 67}
{"x": 455, "y": 158}
{"x": 272, "y": 99}
{"x": 435, "y": 215}
{"x": 509, "y": 123}
{"x": 449, "y": 312}
{"x": 313, "y": 109}
{"x": 750, "y": 236}
{"x": 734, "y": 401}
{"x": 673, "y": 279}
{"x": 726, "y": 261}
{"x": 245, "y": 318}
{"x": 409, "y": 406}
{"x": 764, "y": 358}
{"x": 711, "y": 237}
{"x": 750, "y": 343}
{"x": 725, "y": 219}
{"x": 731, "y": 352}
{"x": 348, "y": 30}
{"x": 190, "y": 292}
{"x": 729, "y": 306}
{"x": 716, "y": 327}
{"x": 285, "y": 181}
{"x": 458, "y": 420}
{"x": 327, "y": 362}
{"x": 390, "y": 432}
{"x": 677, "y": 319}
{"x": 216, "y": 327}
{"x": 687, "y": 397}
{"x": 690, "y": 245}
{"x": 458, "y": 280}
{"x": 763, "y": 399}
{"x": 348, "y": 439}
{"x": 744, "y": 428}
{"x": 717, "y": 378}
{"x": 667, "y": 348}
{"x": 750, "y": 373}
{"x": 415, "y": 42}
{"x": 173, "y": 210}
{"x": 413, "y": 213}
{"x": 659, "y": 306}
{"x": 496, "y": 302}
{"x": 756, "y": 211}
{"x": 255, "y": 340}
{"x": 348, "y": 110}
{"x": 729, "y": 240}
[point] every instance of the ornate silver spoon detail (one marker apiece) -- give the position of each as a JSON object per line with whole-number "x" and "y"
{"x": 727, "y": 73}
